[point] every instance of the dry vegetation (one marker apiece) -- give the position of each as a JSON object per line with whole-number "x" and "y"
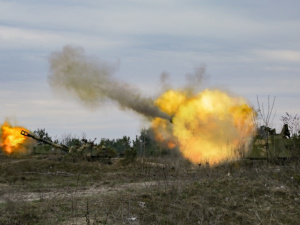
{"x": 55, "y": 190}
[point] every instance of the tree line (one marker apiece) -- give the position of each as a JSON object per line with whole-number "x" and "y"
{"x": 143, "y": 145}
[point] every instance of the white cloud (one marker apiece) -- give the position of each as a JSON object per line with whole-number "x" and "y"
{"x": 135, "y": 19}
{"x": 20, "y": 38}
{"x": 294, "y": 69}
{"x": 283, "y": 55}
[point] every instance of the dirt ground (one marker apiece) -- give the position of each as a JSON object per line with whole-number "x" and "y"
{"x": 57, "y": 190}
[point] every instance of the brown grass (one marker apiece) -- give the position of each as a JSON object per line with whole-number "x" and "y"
{"x": 55, "y": 190}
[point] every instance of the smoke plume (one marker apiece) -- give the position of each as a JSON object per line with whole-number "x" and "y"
{"x": 195, "y": 80}
{"x": 91, "y": 81}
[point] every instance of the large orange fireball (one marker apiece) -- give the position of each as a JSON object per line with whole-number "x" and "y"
{"x": 11, "y": 140}
{"x": 207, "y": 127}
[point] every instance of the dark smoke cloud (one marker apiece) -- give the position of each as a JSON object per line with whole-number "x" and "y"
{"x": 195, "y": 80}
{"x": 165, "y": 83}
{"x": 91, "y": 82}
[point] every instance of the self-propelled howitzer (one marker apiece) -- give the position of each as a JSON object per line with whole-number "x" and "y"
{"x": 62, "y": 147}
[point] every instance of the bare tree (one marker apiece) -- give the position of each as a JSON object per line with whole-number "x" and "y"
{"x": 267, "y": 116}
{"x": 293, "y": 123}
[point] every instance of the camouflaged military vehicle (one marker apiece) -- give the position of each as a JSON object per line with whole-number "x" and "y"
{"x": 92, "y": 152}
{"x": 86, "y": 150}
{"x": 268, "y": 145}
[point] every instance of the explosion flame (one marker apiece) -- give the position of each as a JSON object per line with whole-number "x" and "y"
{"x": 11, "y": 140}
{"x": 207, "y": 127}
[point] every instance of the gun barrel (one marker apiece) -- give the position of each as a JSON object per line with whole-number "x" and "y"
{"x": 171, "y": 119}
{"x": 62, "y": 147}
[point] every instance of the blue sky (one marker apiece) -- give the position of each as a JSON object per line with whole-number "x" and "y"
{"x": 249, "y": 48}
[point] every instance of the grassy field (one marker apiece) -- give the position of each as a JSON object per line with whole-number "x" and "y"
{"x": 56, "y": 190}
